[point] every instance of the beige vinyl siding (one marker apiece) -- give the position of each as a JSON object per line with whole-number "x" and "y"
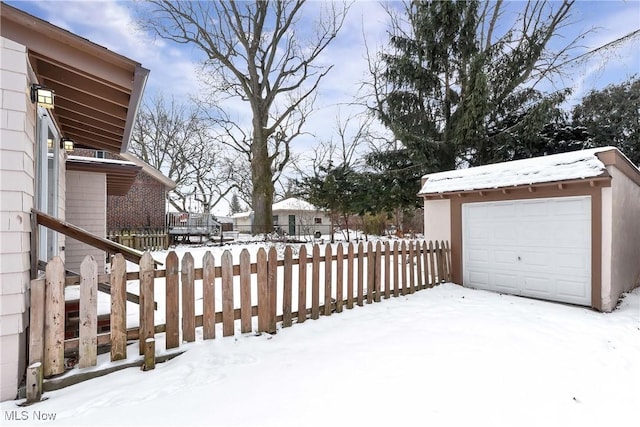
{"x": 17, "y": 191}
{"x": 86, "y": 207}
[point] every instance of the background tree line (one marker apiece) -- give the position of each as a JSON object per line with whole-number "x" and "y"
{"x": 460, "y": 83}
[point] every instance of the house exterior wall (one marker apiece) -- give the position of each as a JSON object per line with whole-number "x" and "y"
{"x": 437, "y": 219}
{"x": 625, "y": 233}
{"x": 305, "y": 221}
{"x": 143, "y": 207}
{"x": 17, "y": 194}
{"x": 86, "y": 204}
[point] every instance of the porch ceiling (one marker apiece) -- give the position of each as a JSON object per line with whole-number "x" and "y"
{"x": 120, "y": 175}
{"x": 97, "y": 92}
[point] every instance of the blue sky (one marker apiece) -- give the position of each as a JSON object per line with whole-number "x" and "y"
{"x": 112, "y": 24}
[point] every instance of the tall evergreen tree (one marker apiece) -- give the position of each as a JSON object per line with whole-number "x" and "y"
{"x": 457, "y": 90}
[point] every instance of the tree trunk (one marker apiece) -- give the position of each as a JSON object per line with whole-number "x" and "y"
{"x": 261, "y": 176}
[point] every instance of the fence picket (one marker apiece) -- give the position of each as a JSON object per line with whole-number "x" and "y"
{"x": 370, "y": 272}
{"x": 350, "y": 276}
{"x": 412, "y": 280}
{"x": 396, "y": 266}
{"x": 286, "y": 291}
{"x": 118, "y": 317}
{"x": 339, "y": 278}
{"x": 263, "y": 291}
{"x": 88, "y": 325}
{"x": 272, "y": 284}
{"x": 37, "y": 313}
{"x": 377, "y": 271}
{"x": 360, "y": 274}
{"x": 227, "y": 294}
{"x": 439, "y": 261}
{"x": 172, "y": 309}
{"x": 418, "y": 267}
{"x": 432, "y": 265}
{"x": 315, "y": 282}
{"x": 387, "y": 270}
{"x": 188, "y": 299}
{"x": 208, "y": 296}
{"x": 302, "y": 284}
{"x": 403, "y": 266}
{"x": 147, "y": 276}
{"x": 447, "y": 253}
{"x": 425, "y": 262}
{"x": 328, "y": 268}
{"x": 54, "y": 318}
{"x": 245, "y": 291}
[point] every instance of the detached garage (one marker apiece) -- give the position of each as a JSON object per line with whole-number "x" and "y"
{"x": 564, "y": 227}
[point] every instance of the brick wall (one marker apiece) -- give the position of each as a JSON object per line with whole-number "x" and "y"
{"x": 142, "y": 207}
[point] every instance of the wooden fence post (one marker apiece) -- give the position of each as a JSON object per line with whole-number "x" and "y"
{"x": 34, "y": 382}
{"x": 188, "y": 299}
{"x": 328, "y": 267}
{"x": 209, "y": 296}
{"x": 339, "y": 278}
{"x": 263, "y": 291}
{"x": 36, "y": 321}
{"x": 245, "y": 291}
{"x": 227, "y": 295}
{"x": 315, "y": 282}
{"x": 149, "y": 354}
{"x": 118, "y": 318}
{"x": 54, "y": 318}
{"x": 172, "y": 308}
{"x": 147, "y": 277}
{"x": 302, "y": 284}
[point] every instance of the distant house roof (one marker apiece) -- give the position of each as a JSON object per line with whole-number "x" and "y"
{"x": 293, "y": 204}
{"x": 556, "y": 167}
{"x": 290, "y": 204}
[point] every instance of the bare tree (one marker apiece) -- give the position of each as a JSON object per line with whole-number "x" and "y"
{"x": 170, "y": 137}
{"x": 258, "y": 52}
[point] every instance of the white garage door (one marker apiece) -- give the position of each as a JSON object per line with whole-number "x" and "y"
{"x": 539, "y": 248}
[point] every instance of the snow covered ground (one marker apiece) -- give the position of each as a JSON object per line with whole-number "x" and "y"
{"x": 440, "y": 357}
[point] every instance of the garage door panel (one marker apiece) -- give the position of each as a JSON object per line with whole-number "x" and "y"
{"x": 571, "y": 289}
{"x": 539, "y": 248}
{"x": 540, "y": 286}
{"x": 506, "y": 282}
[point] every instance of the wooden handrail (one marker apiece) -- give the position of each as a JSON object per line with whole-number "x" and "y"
{"x": 84, "y": 236}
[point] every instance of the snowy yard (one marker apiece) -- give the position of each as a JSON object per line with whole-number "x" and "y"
{"x": 442, "y": 356}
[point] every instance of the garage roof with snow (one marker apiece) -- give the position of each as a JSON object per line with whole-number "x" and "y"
{"x": 552, "y": 168}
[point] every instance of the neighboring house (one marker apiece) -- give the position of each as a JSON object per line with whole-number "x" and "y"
{"x": 564, "y": 227}
{"x": 292, "y": 216}
{"x": 97, "y": 93}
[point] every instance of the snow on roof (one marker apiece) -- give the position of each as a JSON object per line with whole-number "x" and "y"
{"x": 556, "y": 167}
{"x": 293, "y": 204}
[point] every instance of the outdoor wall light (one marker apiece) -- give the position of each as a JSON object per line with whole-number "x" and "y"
{"x": 67, "y": 144}
{"x": 42, "y": 95}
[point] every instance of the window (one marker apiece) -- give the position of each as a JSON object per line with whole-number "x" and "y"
{"x": 101, "y": 154}
{"x": 317, "y": 220}
{"x": 47, "y": 158}
{"x": 275, "y": 220}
